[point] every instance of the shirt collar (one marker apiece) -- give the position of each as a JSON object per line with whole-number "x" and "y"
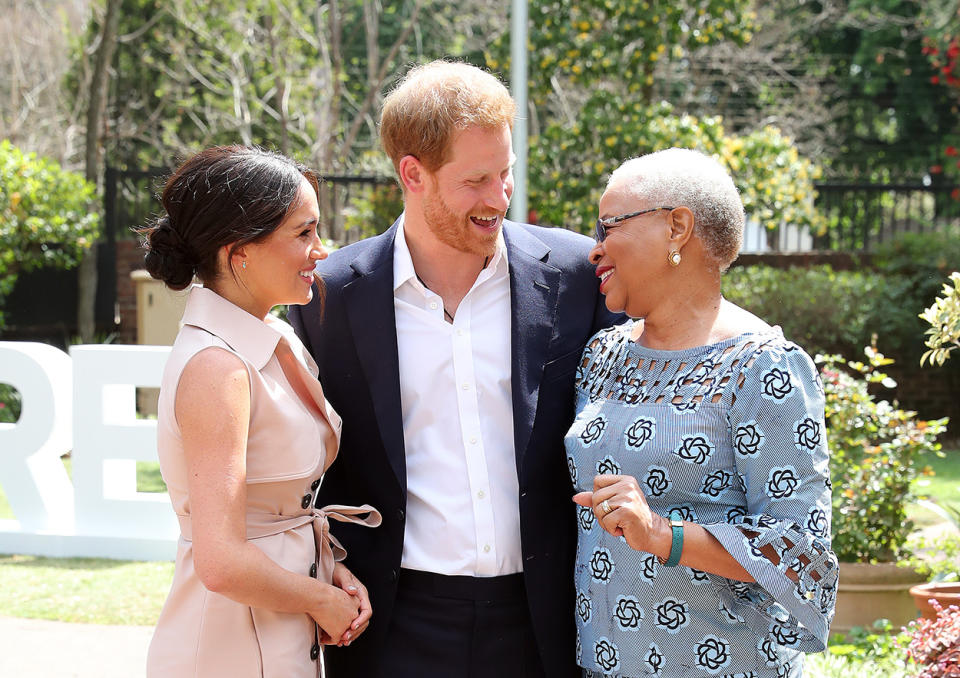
{"x": 254, "y": 339}
{"x": 403, "y": 270}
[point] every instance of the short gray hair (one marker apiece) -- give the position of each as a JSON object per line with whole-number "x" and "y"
{"x": 679, "y": 177}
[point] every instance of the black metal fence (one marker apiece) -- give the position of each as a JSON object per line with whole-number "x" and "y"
{"x": 861, "y": 216}
{"x": 351, "y": 207}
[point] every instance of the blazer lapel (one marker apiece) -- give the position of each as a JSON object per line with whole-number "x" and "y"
{"x": 534, "y": 287}
{"x": 372, "y": 319}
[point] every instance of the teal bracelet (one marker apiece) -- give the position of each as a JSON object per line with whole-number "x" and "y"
{"x": 676, "y": 546}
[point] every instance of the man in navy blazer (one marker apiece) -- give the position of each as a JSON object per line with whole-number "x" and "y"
{"x": 449, "y": 346}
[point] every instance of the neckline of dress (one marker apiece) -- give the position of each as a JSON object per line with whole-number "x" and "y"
{"x": 774, "y": 331}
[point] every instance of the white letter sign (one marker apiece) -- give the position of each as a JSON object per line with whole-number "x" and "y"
{"x": 85, "y": 404}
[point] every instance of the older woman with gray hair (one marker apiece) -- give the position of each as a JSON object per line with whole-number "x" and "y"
{"x": 698, "y": 452}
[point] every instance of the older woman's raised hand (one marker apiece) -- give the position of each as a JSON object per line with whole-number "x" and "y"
{"x": 622, "y": 510}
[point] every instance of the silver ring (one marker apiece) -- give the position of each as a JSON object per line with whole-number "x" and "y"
{"x": 605, "y": 507}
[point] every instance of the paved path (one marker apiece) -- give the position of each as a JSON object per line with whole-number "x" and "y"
{"x": 33, "y": 648}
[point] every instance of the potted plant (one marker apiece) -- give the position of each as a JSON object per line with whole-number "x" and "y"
{"x": 876, "y": 452}
{"x": 938, "y": 558}
{"x": 942, "y": 559}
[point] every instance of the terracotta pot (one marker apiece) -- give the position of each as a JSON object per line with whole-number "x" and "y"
{"x": 871, "y": 591}
{"x": 945, "y": 594}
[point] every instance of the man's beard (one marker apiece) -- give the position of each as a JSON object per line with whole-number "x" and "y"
{"x": 456, "y": 230}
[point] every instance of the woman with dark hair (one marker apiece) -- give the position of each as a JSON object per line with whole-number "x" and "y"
{"x": 244, "y": 431}
{"x": 698, "y": 453}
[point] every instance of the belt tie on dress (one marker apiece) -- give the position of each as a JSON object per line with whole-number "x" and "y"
{"x": 330, "y": 551}
{"x": 328, "y": 548}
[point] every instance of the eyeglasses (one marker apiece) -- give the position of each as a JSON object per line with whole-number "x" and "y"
{"x": 603, "y": 225}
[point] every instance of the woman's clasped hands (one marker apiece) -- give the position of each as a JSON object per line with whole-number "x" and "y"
{"x": 345, "y": 610}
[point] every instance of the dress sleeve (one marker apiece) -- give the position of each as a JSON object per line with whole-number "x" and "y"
{"x": 780, "y": 448}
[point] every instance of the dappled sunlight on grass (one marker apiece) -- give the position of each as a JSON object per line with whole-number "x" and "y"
{"x": 828, "y": 665}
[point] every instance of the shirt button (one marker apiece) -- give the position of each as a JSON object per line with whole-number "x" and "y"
{"x": 392, "y": 576}
{"x": 480, "y": 494}
{"x": 473, "y": 440}
{"x": 313, "y": 570}
{"x": 466, "y": 386}
{"x": 459, "y": 333}
{"x": 305, "y": 502}
{"x": 433, "y": 305}
{"x": 486, "y": 548}
{"x": 315, "y": 484}
{"x": 314, "y": 652}
{"x": 400, "y": 515}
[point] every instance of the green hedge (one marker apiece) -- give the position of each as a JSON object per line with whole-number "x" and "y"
{"x": 827, "y": 311}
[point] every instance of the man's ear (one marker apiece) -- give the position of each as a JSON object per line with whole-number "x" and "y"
{"x": 681, "y": 226}
{"x": 412, "y": 173}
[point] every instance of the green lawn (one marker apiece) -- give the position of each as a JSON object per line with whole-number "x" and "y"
{"x": 943, "y": 487}
{"x": 148, "y": 477}
{"x": 945, "y": 483}
{"x": 828, "y": 665}
{"x": 5, "y": 511}
{"x": 89, "y": 590}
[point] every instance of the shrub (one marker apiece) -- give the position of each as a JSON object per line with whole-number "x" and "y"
{"x": 937, "y": 557}
{"x": 944, "y": 317}
{"x": 373, "y": 208}
{"x": 878, "y": 644}
{"x": 922, "y": 261}
{"x": 823, "y": 310}
{"x": 829, "y": 311}
{"x": 935, "y": 643}
{"x": 48, "y": 216}
{"x": 574, "y": 160}
{"x": 876, "y": 450}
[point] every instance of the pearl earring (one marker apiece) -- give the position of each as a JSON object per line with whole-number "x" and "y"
{"x": 674, "y": 258}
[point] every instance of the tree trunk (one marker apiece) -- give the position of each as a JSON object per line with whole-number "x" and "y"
{"x": 99, "y": 81}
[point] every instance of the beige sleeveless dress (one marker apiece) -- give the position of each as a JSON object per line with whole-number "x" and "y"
{"x": 293, "y": 438}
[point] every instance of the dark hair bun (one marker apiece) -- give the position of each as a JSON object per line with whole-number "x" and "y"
{"x": 222, "y": 197}
{"x": 168, "y": 257}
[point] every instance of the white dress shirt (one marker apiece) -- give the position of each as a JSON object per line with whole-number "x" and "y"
{"x": 462, "y": 489}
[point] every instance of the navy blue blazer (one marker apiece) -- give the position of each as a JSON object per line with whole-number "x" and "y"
{"x": 555, "y": 309}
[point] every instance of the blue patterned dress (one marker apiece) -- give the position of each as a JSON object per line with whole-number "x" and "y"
{"x": 732, "y": 436}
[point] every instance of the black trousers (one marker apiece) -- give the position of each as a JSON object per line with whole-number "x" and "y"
{"x": 460, "y": 627}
